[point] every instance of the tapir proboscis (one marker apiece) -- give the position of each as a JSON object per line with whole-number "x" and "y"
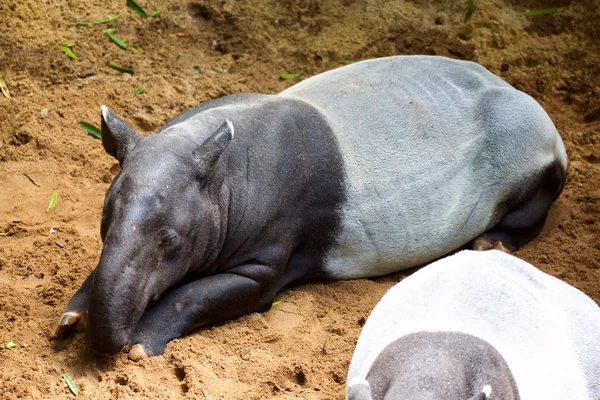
{"x": 358, "y": 172}
{"x": 479, "y": 325}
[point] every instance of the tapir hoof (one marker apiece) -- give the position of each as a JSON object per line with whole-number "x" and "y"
{"x": 481, "y": 244}
{"x": 68, "y": 322}
{"x": 138, "y": 353}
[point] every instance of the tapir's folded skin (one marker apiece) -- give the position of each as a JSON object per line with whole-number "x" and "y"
{"x": 479, "y": 325}
{"x": 358, "y": 172}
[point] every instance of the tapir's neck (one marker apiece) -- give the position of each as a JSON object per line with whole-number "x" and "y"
{"x": 217, "y": 215}
{"x": 277, "y": 188}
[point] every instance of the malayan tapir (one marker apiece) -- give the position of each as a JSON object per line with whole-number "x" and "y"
{"x": 479, "y": 325}
{"x": 358, "y": 172}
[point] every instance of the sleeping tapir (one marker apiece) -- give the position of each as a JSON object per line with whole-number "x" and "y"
{"x": 479, "y": 325}
{"x": 357, "y": 172}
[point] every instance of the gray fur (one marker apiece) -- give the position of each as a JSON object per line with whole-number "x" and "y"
{"x": 546, "y": 331}
{"x": 432, "y": 147}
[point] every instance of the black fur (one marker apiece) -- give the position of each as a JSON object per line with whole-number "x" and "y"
{"x": 267, "y": 210}
{"x": 525, "y": 212}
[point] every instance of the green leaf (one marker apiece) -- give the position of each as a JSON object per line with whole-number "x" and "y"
{"x": 140, "y": 90}
{"x": 155, "y": 13}
{"x": 66, "y": 48}
{"x": 31, "y": 180}
{"x": 346, "y": 62}
{"x": 53, "y": 199}
{"x": 137, "y": 9}
{"x": 534, "y": 13}
{"x": 10, "y": 345}
{"x": 135, "y": 51}
{"x": 115, "y": 39}
{"x": 470, "y": 10}
{"x": 276, "y": 303}
{"x": 71, "y": 384}
{"x": 98, "y": 22}
{"x": 91, "y": 129}
{"x": 290, "y": 76}
{"x": 120, "y": 69}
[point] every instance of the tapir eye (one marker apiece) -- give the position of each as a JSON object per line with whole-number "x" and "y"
{"x": 167, "y": 237}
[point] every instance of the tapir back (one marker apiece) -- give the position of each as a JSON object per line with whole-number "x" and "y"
{"x": 547, "y": 331}
{"x": 428, "y": 142}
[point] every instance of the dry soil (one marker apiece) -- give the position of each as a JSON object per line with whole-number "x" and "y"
{"x": 199, "y": 50}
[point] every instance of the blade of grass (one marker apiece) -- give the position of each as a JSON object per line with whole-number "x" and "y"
{"x": 290, "y": 76}
{"x": 346, "y": 62}
{"x": 91, "y": 129}
{"x": 276, "y": 303}
{"x": 535, "y": 13}
{"x": 109, "y": 33}
{"x": 98, "y": 22}
{"x": 137, "y": 9}
{"x": 31, "y": 179}
{"x": 71, "y": 384}
{"x": 120, "y": 69}
{"x": 155, "y": 13}
{"x": 470, "y": 10}
{"x": 66, "y": 48}
{"x": 4, "y": 88}
{"x": 52, "y": 202}
{"x": 140, "y": 90}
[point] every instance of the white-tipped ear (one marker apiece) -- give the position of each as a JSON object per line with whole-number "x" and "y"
{"x": 104, "y": 111}
{"x": 487, "y": 390}
{"x": 230, "y": 127}
{"x": 485, "y": 393}
{"x": 117, "y": 136}
{"x": 210, "y": 150}
{"x": 358, "y": 389}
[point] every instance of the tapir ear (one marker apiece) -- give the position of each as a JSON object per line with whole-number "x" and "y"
{"x": 485, "y": 393}
{"x": 358, "y": 389}
{"x": 117, "y": 136}
{"x": 210, "y": 150}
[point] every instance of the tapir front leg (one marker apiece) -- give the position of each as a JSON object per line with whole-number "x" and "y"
{"x": 242, "y": 290}
{"x": 77, "y": 307}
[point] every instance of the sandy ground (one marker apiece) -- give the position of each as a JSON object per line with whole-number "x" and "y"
{"x": 302, "y": 347}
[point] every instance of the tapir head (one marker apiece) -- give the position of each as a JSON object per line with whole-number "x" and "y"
{"x": 158, "y": 222}
{"x": 360, "y": 389}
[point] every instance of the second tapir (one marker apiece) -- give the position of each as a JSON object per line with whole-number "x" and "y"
{"x": 357, "y": 172}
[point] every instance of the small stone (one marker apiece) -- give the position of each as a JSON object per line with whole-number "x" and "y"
{"x": 60, "y": 243}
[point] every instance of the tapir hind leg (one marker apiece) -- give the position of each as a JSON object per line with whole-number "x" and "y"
{"x": 525, "y": 217}
{"x": 240, "y": 291}
{"x": 77, "y": 307}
